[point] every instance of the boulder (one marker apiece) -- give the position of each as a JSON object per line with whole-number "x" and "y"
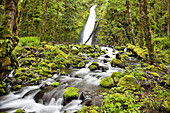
{"x": 71, "y": 93}
{"x": 129, "y": 82}
{"x": 107, "y": 82}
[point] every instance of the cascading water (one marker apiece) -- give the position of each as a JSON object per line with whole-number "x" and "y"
{"x": 89, "y": 26}
{"x": 50, "y": 100}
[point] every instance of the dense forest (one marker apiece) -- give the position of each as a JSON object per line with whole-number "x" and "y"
{"x": 128, "y": 60}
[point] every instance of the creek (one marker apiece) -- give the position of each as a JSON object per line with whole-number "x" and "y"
{"x": 37, "y": 99}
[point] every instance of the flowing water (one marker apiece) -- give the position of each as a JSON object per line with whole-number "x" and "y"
{"x": 50, "y": 100}
{"x": 89, "y": 26}
{"x": 46, "y": 99}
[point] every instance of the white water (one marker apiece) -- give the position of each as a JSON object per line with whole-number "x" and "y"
{"x": 87, "y": 80}
{"x": 89, "y": 26}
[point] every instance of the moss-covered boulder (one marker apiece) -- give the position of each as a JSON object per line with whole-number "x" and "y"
{"x": 71, "y": 93}
{"x": 55, "y": 84}
{"x": 75, "y": 51}
{"x": 115, "y": 62}
{"x": 116, "y": 76}
{"x": 19, "y": 111}
{"x": 129, "y": 82}
{"x": 81, "y": 65}
{"x": 107, "y": 82}
{"x": 93, "y": 67}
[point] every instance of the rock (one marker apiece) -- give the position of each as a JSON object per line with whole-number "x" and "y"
{"x": 92, "y": 67}
{"x": 107, "y": 82}
{"x": 103, "y": 68}
{"x": 81, "y": 65}
{"x": 116, "y": 62}
{"x": 55, "y": 84}
{"x": 116, "y": 76}
{"x": 129, "y": 81}
{"x": 71, "y": 93}
{"x": 107, "y": 56}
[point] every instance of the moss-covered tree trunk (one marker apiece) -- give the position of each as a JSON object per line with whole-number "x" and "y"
{"x": 55, "y": 27}
{"x": 44, "y": 20}
{"x": 130, "y": 22}
{"x": 147, "y": 32}
{"x": 8, "y": 38}
{"x": 20, "y": 14}
{"x": 141, "y": 35}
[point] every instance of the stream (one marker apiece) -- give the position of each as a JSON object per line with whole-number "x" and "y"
{"x": 37, "y": 99}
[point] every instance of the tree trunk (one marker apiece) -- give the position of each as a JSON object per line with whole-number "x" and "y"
{"x": 44, "y": 19}
{"x": 55, "y": 27}
{"x": 8, "y": 40}
{"x": 11, "y": 9}
{"x": 141, "y": 35}
{"x": 131, "y": 22}
{"x": 19, "y": 20}
{"x": 147, "y": 32}
{"x": 168, "y": 19}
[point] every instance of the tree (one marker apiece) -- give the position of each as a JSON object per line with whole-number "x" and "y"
{"x": 130, "y": 22}
{"x": 8, "y": 38}
{"x": 147, "y": 32}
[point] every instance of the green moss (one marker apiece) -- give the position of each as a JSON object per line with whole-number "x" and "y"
{"x": 92, "y": 67}
{"x": 95, "y": 63}
{"x": 155, "y": 74}
{"x": 102, "y": 52}
{"x": 163, "y": 66}
{"x": 19, "y": 111}
{"x": 71, "y": 93}
{"x": 63, "y": 72}
{"x": 93, "y": 111}
{"x": 129, "y": 81}
{"x": 6, "y": 62}
{"x": 49, "y": 76}
{"x": 115, "y": 62}
{"x": 75, "y": 51}
{"x": 81, "y": 65}
{"x": 2, "y": 91}
{"x": 18, "y": 86}
{"x": 84, "y": 109}
{"x": 116, "y": 76}
{"x": 56, "y": 84}
{"x": 107, "y": 82}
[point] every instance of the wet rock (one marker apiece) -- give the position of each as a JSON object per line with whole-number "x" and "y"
{"x": 103, "y": 68}
{"x": 71, "y": 93}
{"x": 107, "y": 56}
{"x": 105, "y": 61}
{"x": 107, "y": 82}
{"x": 43, "y": 86}
{"x": 129, "y": 81}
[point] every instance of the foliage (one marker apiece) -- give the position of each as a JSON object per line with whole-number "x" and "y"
{"x": 29, "y": 41}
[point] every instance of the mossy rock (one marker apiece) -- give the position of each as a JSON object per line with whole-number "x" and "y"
{"x": 129, "y": 82}
{"x": 95, "y": 63}
{"x": 93, "y": 111}
{"x": 56, "y": 84}
{"x": 102, "y": 52}
{"x": 63, "y": 72}
{"x": 155, "y": 74}
{"x": 75, "y": 51}
{"x": 2, "y": 91}
{"x": 115, "y": 62}
{"x": 163, "y": 66}
{"x": 19, "y": 111}
{"x": 93, "y": 67}
{"x": 97, "y": 48}
{"x": 84, "y": 109}
{"x": 81, "y": 65}
{"x": 107, "y": 82}
{"x": 116, "y": 76}
{"x": 71, "y": 93}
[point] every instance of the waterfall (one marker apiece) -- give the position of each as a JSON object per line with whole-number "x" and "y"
{"x": 89, "y": 26}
